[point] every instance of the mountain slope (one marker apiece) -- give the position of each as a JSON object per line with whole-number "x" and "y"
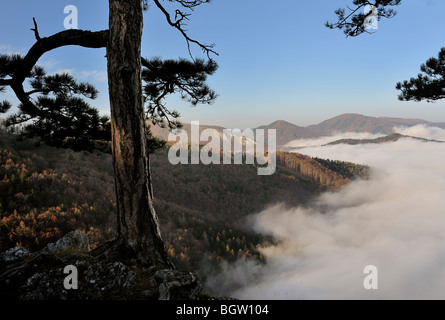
{"x": 328, "y": 173}
{"x": 162, "y": 133}
{"x": 46, "y": 192}
{"x": 351, "y": 122}
{"x": 287, "y": 131}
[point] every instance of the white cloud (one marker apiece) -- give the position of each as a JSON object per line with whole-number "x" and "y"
{"x": 395, "y": 221}
{"x": 422, "y": 131}
{"x": 96, "y": 75}
{"x": 9, "y": 49}
{"x": 319, "y": 141}
{"x": 62, "y": 71}
{"x": 48, "y": 63}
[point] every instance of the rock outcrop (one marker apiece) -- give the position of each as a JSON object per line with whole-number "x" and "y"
{"x": 71, "y": 242}
{"x": 44, "y": 275}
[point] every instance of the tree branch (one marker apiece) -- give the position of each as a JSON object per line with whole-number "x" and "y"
{"x": 88, "y": 39}
{"x": 5, "y": 82}
{"x": 191, "y": 4}
{"x": 178, "y": 24}
{"x": 36, "y": 29}
{"x": 353, "y": 24}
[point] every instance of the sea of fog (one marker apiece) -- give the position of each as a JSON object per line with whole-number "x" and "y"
{"x": 394, "y": 221}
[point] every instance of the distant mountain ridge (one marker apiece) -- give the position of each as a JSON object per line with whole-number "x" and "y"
{"x": 162, "y": 133}
{"x": 287, "y": 131}
{"x": 351, "y": 122}
{"x": 348, "y": 122}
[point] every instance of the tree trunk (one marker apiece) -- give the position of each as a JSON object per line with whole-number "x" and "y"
{"x": 138, "y": 227}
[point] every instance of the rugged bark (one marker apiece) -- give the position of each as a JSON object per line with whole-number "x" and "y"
{"x": 138, "y": 227}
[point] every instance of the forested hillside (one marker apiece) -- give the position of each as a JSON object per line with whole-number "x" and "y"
{"x": 393, "y": 137}
{"x": 327, "y": 173}
{"x": 46, "y": 192}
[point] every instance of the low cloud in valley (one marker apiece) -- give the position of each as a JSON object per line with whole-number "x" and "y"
{"x": 395, "y": 220}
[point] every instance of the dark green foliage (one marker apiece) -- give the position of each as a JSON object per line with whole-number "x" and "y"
{"x": 64, "y": 119}
{"x": 5, "y": 106}
{"x": 428, "y": 85}
{"x": 164, "y": 77}
{"x": 352, "y": 22}
{"x": 78, "y": 129}
{"x": 154, "y": 143}
{"x": 8, "y": 64}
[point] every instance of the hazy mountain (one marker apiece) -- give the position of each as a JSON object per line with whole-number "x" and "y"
{"x": 287, "y": 131}
{"x": 162, "y": 133}
{"x": 351, "y": 122}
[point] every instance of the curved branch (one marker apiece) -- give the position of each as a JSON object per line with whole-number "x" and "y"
{"x": 88, "y": 39}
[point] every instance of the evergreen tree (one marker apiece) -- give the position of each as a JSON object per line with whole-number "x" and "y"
{"x": 428, "y": 85}
{"x": 170, "y": 76}
{"x": 137, "y": 223}
{"x": 64, "y": 119}
{"x": 353, "y": 20}
{"x": 68, "y": 121}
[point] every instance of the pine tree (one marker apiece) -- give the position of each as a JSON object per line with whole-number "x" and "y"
{"x": 137, "y": 223}
{"x": 68, "y": 121}
{"x": 353, "y": 20}
{"x": 188, "y": 78}
{"x": 428, "y": 85}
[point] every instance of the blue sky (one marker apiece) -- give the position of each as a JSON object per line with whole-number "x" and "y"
{"x": 277, "y": 59}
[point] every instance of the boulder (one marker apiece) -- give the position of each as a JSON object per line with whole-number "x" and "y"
{"x": 71, "y": 242}
{"x": 175, "y": 283}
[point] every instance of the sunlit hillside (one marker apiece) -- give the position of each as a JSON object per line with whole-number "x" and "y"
{"x": 203, "y": 209}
